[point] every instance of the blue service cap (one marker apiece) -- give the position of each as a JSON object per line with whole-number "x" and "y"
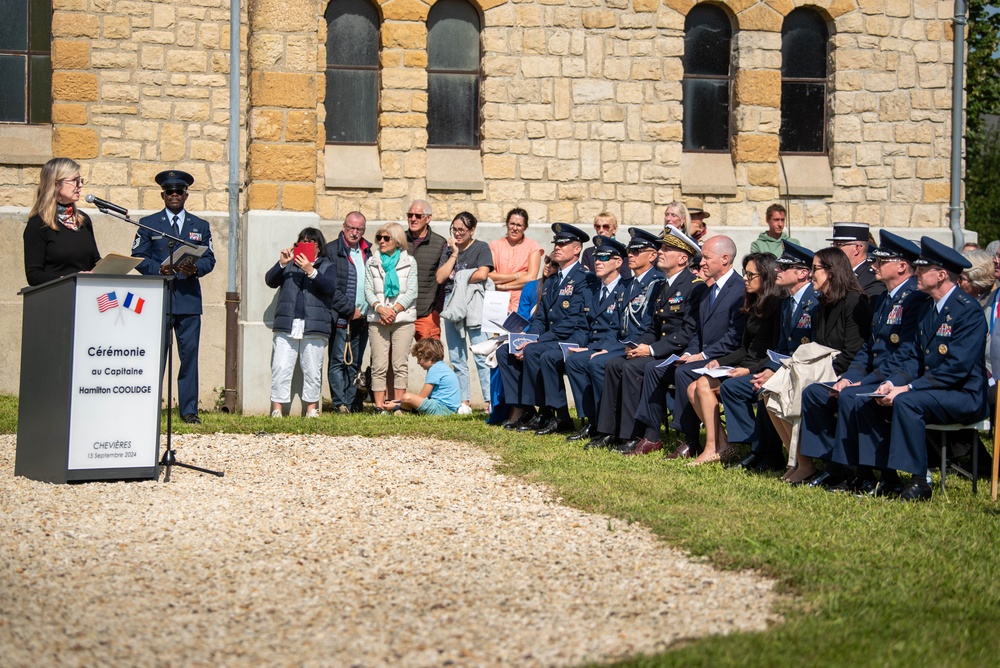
{"x": 605, "y": 247}
{"x": 642, "y": 239}
{"x": 794, "y": 254}
{"x": 564, "y": 233}
{"x": 174, "y": 179}
{"x": 895, "y": 247}
{"x": 933, "y": 252}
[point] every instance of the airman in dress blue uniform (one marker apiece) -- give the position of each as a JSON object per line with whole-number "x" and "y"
{"x": 942, "y": 380}
{"x": 852, "y": 238}
{"x": 154, "y": 249}
{"x": 586, "y": 372}
{"x": 741, "y": 394}
{"x": 561, "y": 316}
{"x": 828, "y": 424}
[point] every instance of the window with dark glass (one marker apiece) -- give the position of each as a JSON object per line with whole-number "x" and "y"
{"x": 804, "y": 38}
{"x": 453, "y": 56}
{"x": 25, "y": 62}
{"x": 351, "y": 72}
{"x": 708, "y": 38}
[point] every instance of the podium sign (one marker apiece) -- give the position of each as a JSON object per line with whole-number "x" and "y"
{"x": 91, "y": 373}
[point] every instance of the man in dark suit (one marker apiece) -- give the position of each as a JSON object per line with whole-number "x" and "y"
{"x": 154, "y": 249}
{"x": 603, "y": 322}
{"x": 561, "y": 316}
{"x": 674, "y": 312}
{"x": 943, "y": 380}
{"x": 829, "y": 430}
{"x": 740, "y": 395}
{"x": 586, "y": 373}
{"x": 720, "y": 330}
{"x": 852, "y": 238}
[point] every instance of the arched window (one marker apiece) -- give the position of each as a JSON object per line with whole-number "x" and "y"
{"x": 708, "y": 38}
{"x": 804, "y": 38}
{"x": 351, "y": 72}
{"x": 25, "y": 61}
{"x": 453, "y": 56}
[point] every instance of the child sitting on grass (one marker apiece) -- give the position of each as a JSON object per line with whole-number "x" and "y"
{"x": 440, "y": 394}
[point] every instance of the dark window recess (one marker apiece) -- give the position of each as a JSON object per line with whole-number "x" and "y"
{"x": 352, "y": 43}
{"x": 804, "y": 56}
{"x": 453, "y": 56}
{"x": 25, "y": 65}
{"x": 706, "y": 87}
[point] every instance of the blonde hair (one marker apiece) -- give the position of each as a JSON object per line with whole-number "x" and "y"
{"x": 608, "y": 217}
{"x": 428, "y": 349}
{"x": 396, "y": 232}
{"x": 980, "y": 274}
{"x": 54, "y": 171}
{"x": 681, "y": 210}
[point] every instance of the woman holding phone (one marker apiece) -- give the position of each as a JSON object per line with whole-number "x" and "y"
{"x": 303, "y": 319}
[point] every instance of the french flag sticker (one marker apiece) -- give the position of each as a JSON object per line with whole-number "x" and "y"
{"x": 133, "y": 303}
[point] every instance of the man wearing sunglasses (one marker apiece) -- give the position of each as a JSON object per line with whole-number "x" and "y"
{"x": 154, "y": 249}
{"x": 425, "y": 246}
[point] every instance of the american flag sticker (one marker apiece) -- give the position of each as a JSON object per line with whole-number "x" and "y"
{"x": 107, "y": 301}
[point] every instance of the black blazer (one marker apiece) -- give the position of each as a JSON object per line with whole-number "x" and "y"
{"x": 675, "y": 315}
{"x": 844, "y": 326}
{"x": 759, "y": 336}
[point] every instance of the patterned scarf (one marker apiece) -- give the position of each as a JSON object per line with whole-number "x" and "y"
{"x": 66, "y": 215}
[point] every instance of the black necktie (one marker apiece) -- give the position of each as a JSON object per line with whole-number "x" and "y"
{"x": 604, "y": 294}
{"x": 177, "y": 225}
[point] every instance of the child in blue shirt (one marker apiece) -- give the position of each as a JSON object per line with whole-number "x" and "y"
{"x": 440, "y": 394}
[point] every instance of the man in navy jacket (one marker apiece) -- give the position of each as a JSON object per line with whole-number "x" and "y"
{"x": 154, "y": 249}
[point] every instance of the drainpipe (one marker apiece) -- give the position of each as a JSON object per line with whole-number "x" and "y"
{"x": 232, "y": 295}
{"x": 957, "y": 83}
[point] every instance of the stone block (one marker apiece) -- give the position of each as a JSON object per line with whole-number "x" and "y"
{"x": 762, "y": 175}
{"x": 760, "y": 17}
{"x": 283, "y": 89}
{"x": 262, "y": 196}
{"x": 69, "y": 114}
{"x": 647, "y": 69}
{"x": 75, "y": 24}
{"x": 635, "y": 152}
{"x": 645, "y": 5}
{"x": 531, "y": 168}
{"x": 298, "y": 197}
{"x": 404, "y": 78}
{"x": 755, "y": 148}
{"x": 898, "y": 8}
{"x": 589, "y": 92}
{"x": 74, "y": 86}
{"x": 173, "y": 142}
{"x": 108, "y": 174}
{"x": 209, "y": 151}
{"x": 499, "y": 167}
{"x": 285, "y": 16}
{"x": 70, "y": 55}
{"x": 164, "y": 16}
{"x": 393, "y": 139}
{"x": 868, "y": 154}
{"x": 113, "y": 60}
{"x": 599, "y": 18}
{"x": 301, "y": 53}
{"x": 282, "y": 163}
{"x": 419, "y": 59}
{"x": 396, "y": 120}
{"x": 562, "y": 170}
{"x": 152, "y": 57}
{"x": 119, "y": 93}
{"x": 266, "y": 51}
{"x": 933, "y": 76}
{"x": 187, "y": 61}
{"x": 405, "y": 10}
{"x": 142, "y": 130}
{"x": 758, "y": 87}
{"x": 192, "y": 111}
{"x": 894, "y": 107}
{"x": 932, "y": 169}
{"x": 404, "y": 35}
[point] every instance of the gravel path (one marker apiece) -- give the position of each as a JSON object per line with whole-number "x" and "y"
{"x": 321, "y": 551}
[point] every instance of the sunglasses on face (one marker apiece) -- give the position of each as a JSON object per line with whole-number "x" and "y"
{"x": 750, "y": 275}
{"x": 383, "y": 237}
{"x": 173, "y": 192}
{"x": 602, "y": 227}
{"x": 415, "y": 215}
{"x": 818, "y": 267}
{"x": 604, "y": 257}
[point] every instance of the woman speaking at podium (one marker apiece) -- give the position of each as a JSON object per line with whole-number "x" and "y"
{"x": 58, "y": 239}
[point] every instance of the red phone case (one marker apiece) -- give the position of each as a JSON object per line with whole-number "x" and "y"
{"x": 307, "y": 249}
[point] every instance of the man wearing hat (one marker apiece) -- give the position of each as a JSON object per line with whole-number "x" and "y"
{"x": 586, "y": 372}
{"x": 698, "y": 215}
{"x": 154, "y": 249}
{"x": 674, "y": 313}
{"x": 829, "y": 429}
{"x": 603, "y": 323}
{"x": 852, "y": 238}
{"x": 561, "y": 316}
{"x": 740, "y": 395}
{"x": 943, "y": 380}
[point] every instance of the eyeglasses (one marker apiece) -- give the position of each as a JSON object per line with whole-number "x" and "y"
{"x": 416, "y": 215}
{"x": 516, "y": 225}
{"x": 842, "y": 244}
{"x": 459, "y": 230}
{"x": 818, "y": 267}
{"x": 749, "y": 275}
{"x": 78, "y": 181}
{"x": 173, "y": 192}
{"x": 602, "y": 227}
{"x": 356, "y": 230}
{"x": 550, "y": 263}
{"x": 636, "y": 251}
{"x": 383, "y": 237}
{"x": 886, "y": 260}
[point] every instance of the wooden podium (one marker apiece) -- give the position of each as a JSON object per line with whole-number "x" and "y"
{"x": 91, "y": 378}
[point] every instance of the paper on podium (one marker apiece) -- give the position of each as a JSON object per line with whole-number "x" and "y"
{"x": 116, "y": 263}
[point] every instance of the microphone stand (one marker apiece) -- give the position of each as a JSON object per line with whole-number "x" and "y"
{"x": 169, "y": 458}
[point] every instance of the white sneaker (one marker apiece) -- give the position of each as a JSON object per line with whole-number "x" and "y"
{"x": 313, "y": 413}
{"x": 464, "y": 410}
{"x": 276, "y": 413}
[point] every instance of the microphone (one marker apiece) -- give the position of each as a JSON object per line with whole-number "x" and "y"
{"x": 104, "y": 204}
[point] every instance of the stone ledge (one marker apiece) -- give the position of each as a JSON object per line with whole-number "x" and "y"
{"x": 455, "y": 169}
{"x": 708, "y": 174}
{"x": 25, "y": 144}
{"x": 352, "y": 167}
{"x": 805, "y": 176}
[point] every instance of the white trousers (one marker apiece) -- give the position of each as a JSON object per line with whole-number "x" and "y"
{"x": 309, "y": 351}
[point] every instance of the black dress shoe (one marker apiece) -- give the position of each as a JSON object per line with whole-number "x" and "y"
{"x": 916, "y": 491}
{"x": 809, "y": 480}
{"x": 866, "y": 487}
{"x": 743, "y": 464}
{"x": 888, "y": 489}
{"x": 823, "y": 479}
{"x": 191, "y": 418}
{"x": 555, "y": 426}
{"x": 599, "y": 441}
{"x": 580, "y": 435}
{"x": 683, "y": 451}
{"x": 627, "y": 447}
{"x": 848, "y": 485}
{"x": 509, "y": 424}
{"x": 532, "y": 424}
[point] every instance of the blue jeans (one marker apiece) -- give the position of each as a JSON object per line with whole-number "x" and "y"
{"x": 458, "y": 356}
{"x": 341, "y": 375}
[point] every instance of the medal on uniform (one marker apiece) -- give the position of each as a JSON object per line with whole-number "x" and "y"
{"x": 805, "y": 339}
{"x": 894, "y": 338}
{"x": 565, "y": 304}
{"x": 943, "y": 349}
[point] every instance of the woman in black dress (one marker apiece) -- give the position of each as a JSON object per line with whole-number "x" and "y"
{"x": 58, "y": 239}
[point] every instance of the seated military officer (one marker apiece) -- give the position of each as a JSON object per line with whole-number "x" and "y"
{"x": 561, "y": 316}
{"x": 942, "y": 381}
{"x": 828, "y": 426}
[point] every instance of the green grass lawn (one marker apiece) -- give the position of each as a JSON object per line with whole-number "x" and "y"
{"x": 878, "y": 583}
